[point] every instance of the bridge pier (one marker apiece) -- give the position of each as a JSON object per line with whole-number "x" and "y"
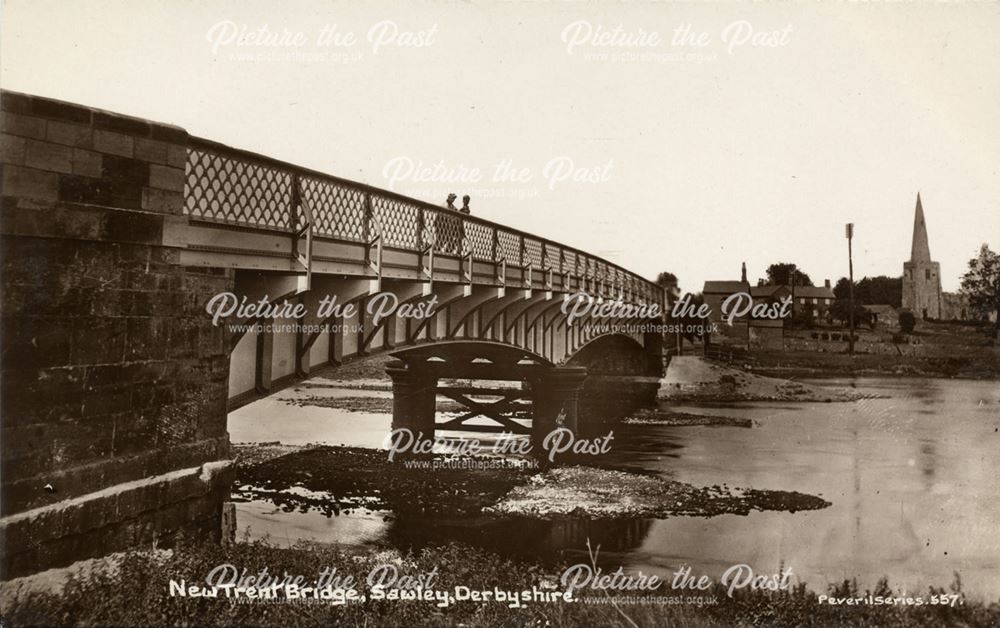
{"x": 414, "y": 399}
{"x": 556, "y": 402}
{"x": 555, "y": 393}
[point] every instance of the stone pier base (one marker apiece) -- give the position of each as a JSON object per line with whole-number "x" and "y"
{"x": 138, "y": 513}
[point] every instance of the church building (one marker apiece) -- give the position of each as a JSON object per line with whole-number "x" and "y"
{"x": 922, "y": 279}
{"x": 921, "y": 276}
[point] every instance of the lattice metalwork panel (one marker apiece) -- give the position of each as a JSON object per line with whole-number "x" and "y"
{"x": 510, "y": 246}
{"x": 533, "y": 252}
{"x": 551, "y": 257}
{"x": 446, "y": 227}
{"x": 338, "y": 210}
{"x": 398, "y": 220}
{"x": 481, "y": 237}
{"x": 616, "y": 278}
{"x": 569, "y": 262}
{"x": 237, "y": 191}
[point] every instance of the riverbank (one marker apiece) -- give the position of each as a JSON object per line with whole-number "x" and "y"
{"x": 695, "y": 379}
{"x": 979, "y": 365}
{"x": 136, "y": 591}
{"x": 934, "y": 349}
{"x": 672, "y": 418}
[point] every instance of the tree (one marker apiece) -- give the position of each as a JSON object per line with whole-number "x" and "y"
{"x": 782, "y": 273}
{"x": 981, "y": 284}
{"x": 881, "y": 289}
{"x": 841, "y": 311}
{"x": 872, "y": 290}
{"x": 842, "y": 290}
{"x": 666, "y": 280}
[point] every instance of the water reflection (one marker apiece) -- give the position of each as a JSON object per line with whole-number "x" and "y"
{"x": 548, "y": 540}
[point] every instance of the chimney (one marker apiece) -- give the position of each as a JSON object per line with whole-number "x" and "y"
{"x": 826, "y": 284}
{"x": 744, "y": 279}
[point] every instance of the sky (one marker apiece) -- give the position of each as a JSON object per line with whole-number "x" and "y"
{"x": 686, "y": 137}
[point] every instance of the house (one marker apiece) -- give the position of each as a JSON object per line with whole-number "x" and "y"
{"x": 752, "y": 333}
{"x": 817, "y": 298}
{"x": 745, "y": 331}
{"x": 715, "y": 293}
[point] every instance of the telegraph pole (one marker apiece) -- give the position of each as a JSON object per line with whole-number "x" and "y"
{"x": 850, "y": 279}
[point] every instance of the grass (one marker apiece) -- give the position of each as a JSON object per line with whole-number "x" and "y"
{"x": 135, "y": 593}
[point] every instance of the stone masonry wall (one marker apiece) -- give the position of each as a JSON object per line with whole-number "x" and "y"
{"x": 114, "y": 382}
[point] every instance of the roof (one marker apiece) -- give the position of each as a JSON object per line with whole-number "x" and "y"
{"x": 814, "y": 292}
{"x": 725, "y": 287}
{"x": 920, "y": 250}
{"x": 769, "y": 291}
{"x": 801, "y": 292}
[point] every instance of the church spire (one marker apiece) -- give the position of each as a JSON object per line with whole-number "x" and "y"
{"x": 920, "y": 251}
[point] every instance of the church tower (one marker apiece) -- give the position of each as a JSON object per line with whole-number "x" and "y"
{"x": 921, "y": 276}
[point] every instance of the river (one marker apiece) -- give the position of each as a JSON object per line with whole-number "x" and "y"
{"x": 912, "y": 477}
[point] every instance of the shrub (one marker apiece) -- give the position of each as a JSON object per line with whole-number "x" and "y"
{"x": 136, "y": 593}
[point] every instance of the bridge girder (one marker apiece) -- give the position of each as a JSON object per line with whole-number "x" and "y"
{"x": 526, "y": 318}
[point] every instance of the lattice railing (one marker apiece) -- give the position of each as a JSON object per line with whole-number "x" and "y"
{"x": 481, "y": 237}
{"x": 397, "y": 221}
{"x": 446, "y": 227}
{"x": 339, "y": 210}
{"x": 533, "y": 253}
{"x": 509, "y": 244}
{"x": 235, "y": 187}
{"x": 238, "y": 191}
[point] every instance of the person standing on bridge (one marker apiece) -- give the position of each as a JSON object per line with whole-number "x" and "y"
{"x": 448, "y": 228}
{"x": 465, "y": 204}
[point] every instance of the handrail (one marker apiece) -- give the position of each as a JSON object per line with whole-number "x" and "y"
{"x": 238, "y": 186}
